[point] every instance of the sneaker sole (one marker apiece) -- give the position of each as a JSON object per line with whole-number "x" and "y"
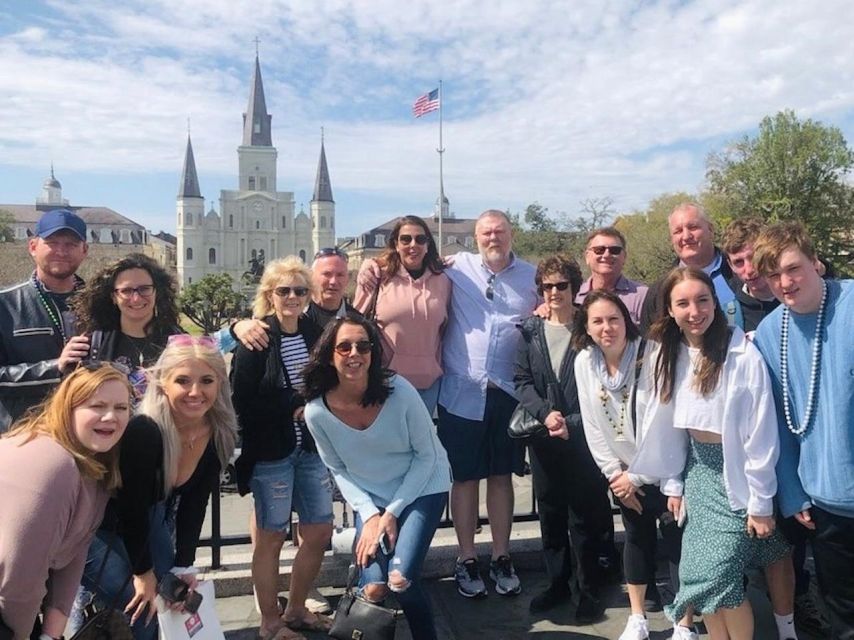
{"x": 505, "y": 592}
{"x": 466, "y": 594}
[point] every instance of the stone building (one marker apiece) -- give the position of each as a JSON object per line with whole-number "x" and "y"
{"x": 256, "y": 222}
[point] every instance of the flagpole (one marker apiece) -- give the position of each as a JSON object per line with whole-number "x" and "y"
{"x": 441, "y": 150}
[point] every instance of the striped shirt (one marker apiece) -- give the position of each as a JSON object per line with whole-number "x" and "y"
{"x": 294, "y": 354}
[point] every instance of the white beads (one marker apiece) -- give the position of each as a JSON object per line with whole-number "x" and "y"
{"x": 815, "y": 367}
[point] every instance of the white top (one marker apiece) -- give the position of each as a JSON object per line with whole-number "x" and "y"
{"x": 611, "y": 453}
{"x": 693, "y": 410}
{"x": 749, "y": 431}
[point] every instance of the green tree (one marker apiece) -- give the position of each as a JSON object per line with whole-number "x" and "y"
{"x": 7, "y": 231}
{"x": 792, "y": 169}
{"x": 211, "y": 301}
{"x": 537, "y": 218}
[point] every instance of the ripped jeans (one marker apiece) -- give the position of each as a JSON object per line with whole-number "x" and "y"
{"x": 415, "y": 529}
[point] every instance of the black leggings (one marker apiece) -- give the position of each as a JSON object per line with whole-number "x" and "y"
{"x": 641, "y": 538}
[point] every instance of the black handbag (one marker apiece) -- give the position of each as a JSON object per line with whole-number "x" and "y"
{"x": 524, "y": 425}
{"x": 109, "y": 623}
{"x": 358, "y": 619}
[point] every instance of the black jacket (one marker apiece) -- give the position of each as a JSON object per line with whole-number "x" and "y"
{"x": 30, "y": 345}
{"x": 534, "y": 371}
{"x": 265, "y": 402}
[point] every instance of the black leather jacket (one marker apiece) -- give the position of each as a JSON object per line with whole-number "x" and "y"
{"x": 30, "y": 345}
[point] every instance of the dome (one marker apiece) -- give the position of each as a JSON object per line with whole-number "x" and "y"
{"x": 51, "y": 183}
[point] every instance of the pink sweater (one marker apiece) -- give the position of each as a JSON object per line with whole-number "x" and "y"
{"x": 48, "y": 516}
{"x": 411, "y": 315}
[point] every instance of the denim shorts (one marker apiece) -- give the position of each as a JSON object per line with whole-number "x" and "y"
{"x": 300, "y": 482}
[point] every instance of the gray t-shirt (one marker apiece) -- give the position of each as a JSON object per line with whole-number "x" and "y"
{"x": 557, "y": 339}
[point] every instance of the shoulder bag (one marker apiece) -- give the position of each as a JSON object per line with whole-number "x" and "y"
{"x": 358, "y": 619}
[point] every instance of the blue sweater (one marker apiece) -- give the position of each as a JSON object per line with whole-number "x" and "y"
{"x": 397, "y": 459}
{"x": 818, "y": 467}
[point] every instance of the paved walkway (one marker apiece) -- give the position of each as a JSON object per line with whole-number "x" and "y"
{"x": 504, "y": 618}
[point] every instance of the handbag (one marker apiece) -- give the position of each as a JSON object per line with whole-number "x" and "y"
{"x": 202, "y": 625}
{"x": 358, "y": 619}
{"x": 109, "y": 623}
{"x": 524, "y": 425}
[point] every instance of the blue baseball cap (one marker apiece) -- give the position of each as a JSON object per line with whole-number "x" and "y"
{"x": 59, "y": 219}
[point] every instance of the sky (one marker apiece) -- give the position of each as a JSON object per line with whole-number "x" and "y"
{"x": 553, "y": 102}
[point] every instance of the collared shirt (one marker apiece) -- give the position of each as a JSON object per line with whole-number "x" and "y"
{"x": 481, "y": 338}
{"x": 630, "y": 292}
{"x": 714, "y": 270}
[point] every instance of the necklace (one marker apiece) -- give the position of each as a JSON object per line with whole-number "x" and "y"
{"x": 190, "y": 442}
{"x": 50, "y": 307}
{"x": 815, "y": 367}
{"x": 616, "y": 425}
{"x": 139, "y": 345}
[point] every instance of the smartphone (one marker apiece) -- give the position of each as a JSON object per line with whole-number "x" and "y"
{"x": 385, "y": 544}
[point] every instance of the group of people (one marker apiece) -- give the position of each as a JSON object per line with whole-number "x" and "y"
{"x": 715, "y": 405}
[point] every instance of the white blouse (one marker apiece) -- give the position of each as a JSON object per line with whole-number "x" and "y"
{"x": 693, "y": 410}
{"x": 749, "y": 435}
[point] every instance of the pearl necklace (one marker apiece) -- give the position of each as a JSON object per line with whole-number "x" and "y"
{"x": 617, "y": 426}
{"x": 815, "y": 367}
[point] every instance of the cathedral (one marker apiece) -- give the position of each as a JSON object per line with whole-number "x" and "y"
{"x": 256, "y": 222}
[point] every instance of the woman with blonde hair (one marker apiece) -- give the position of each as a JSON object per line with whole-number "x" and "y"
{"x": 57, "y": 465}
{"x": 171, "y": 457}
{"x": 278, "y": 450}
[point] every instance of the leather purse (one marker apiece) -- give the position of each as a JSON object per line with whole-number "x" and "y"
{"x": 358, "y": 619}
{"x": 109, "y": 624}
{"x": 524, "y": 425}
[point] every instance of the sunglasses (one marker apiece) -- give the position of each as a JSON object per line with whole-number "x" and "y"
{"x": 284, "y": 292}
{"x": 186, "y": 340}
{"x": 490, "y": 289}
{"x": 126, "y": 293}
{"x": 331, "y": 251}
{"x": 548, "y": 286}
{"x": 94, "y": 365}
{"x": 408, "y": 239}
{"x": 613, "y": 250}
{"x": 345, "y": 348}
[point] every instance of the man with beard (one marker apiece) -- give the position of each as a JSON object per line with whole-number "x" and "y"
{"x": 37, "y": 343}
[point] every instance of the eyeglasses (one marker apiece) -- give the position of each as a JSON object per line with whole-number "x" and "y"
{"x": 407, "y": 239}
{"x": 614, "y": 250}
{"x": 143, "y": 291}
{"x": 94, "y": 365}
{"x": 186, "y": 340}
{"x": 331, "y": 251}
{"x": 284, "y": 292}
{"x": 490, "y": 290}
{"x": 548, "y": 286}
{"x": 345, "y": 348}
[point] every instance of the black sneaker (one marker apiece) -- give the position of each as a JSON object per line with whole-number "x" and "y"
{"x": 590, "y": 609}
{"x": 467, "y": 577}
{"x": 501, "y": 571}
{"x": 652, "y": 599}
{"x": 809, "y": 618}
{"x": 549, "y": 599}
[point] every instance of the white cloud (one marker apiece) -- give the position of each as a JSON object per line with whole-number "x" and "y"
{"x": 553, "y": 101}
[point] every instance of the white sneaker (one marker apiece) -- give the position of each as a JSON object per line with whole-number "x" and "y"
{"x": 317, "y": 603}
{"x": 684, "y": 633}
{"x": 637, "y": 628}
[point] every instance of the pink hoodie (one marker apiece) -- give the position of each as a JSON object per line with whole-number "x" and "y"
{"x": 411, "y": 315}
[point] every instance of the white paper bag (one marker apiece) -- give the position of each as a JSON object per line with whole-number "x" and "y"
{"x": 202, "y": 625}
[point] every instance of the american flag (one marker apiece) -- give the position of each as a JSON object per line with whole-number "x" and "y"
{"x": 426, "y": 103}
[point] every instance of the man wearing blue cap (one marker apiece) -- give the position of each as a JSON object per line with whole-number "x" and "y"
{"x": 36, "y": 343}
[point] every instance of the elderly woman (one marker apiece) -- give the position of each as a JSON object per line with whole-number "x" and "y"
{"x": 573, "y": 507}
{"x": 57, "y": 465}
{"x": 408, "y": 293}
{"x": 378, "y": 439}
{"x": 171, "y": 457}
{"x": 278, "y": 449}
{"x": 709, "y": 421}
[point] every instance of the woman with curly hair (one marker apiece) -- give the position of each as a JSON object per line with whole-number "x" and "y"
{"x": 57, "y": 467}
{"x": 184, "y": 433}
{"x": 407, "y": 291}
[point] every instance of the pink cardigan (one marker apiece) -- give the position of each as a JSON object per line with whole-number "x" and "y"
{"x": 48, "y": 516}
{"x": 411, "y": 315}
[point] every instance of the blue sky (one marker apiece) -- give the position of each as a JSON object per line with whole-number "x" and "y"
{"x": 548, "y": 101}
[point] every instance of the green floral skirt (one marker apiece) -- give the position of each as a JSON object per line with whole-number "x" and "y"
{"x": 716, "y": 549}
